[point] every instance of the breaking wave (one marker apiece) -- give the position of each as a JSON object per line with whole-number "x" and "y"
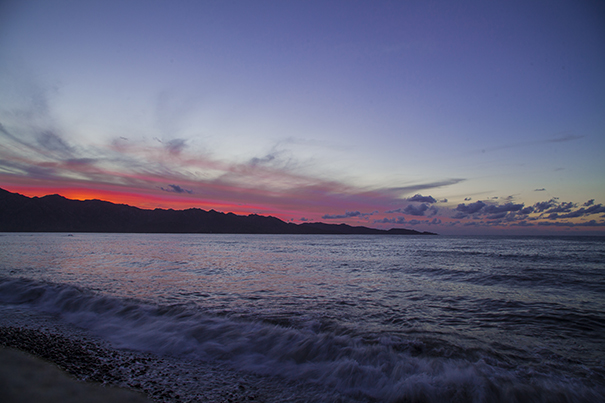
{"x": 383, "y": 369}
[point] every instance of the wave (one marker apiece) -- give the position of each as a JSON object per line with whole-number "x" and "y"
{"x": 521, "y": 253}
{"x": 578, "y": 279}
{"x": 348, "y": 364}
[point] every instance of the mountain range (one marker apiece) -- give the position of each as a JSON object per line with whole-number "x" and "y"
{"x": 54, "y": 213}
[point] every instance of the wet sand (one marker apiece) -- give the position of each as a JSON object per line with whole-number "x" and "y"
{"x": 25, "y": 378}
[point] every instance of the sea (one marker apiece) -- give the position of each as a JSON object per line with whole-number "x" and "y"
{"x": 335, "y": 318}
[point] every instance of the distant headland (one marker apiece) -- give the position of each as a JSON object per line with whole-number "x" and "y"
{"x": 54, "y": 213}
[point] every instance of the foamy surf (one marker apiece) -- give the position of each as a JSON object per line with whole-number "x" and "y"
{"x": 383, "y": 370}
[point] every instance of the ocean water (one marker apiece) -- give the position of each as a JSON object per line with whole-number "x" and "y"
{"x": 326, "y": 318}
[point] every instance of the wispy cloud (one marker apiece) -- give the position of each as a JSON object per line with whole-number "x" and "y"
{"x": 176, "y": 189}
{"x": 175, "y": 146}
{"x": 272, "y": 182}
{"x": 562, "y": 138}
{"x": 51, "y": 142}
{"x": 414, "y": 188}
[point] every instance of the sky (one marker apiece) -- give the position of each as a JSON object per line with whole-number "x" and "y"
{"x": 466, "y": 117}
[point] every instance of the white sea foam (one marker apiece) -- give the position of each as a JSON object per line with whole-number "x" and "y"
{"x": 346, "y": 363}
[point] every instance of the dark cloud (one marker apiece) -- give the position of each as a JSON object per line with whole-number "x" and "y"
{"x": 468, "y": 198}
{"x": 573, "y": 214}
{"x": 493, "y": 211}
{"x": 496, "y": 209}
{"x": 434, "y": 221}
{"x": 581, "y": 212}
{"x": 471, "y": 208}
{"x": 542, "y": 206}
{"x": 422, "y": 199}
{"x": 398, "y": 220}
{"x": 526, "y": 210}
{"x": 562, "y": 208}
{"x": 497, "y": 216}
{"x": 415, "y": 210}
{"x": 595, "y": 209}
{"x": 176, "y": 189}
{"x": 540, "y": 190}
{"x": 401, "y": 220}
{"x": 348, "y": 214}
{"x": 511, "y": 213}
{"x": 304, "y": 219}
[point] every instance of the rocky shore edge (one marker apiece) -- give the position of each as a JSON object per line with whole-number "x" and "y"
{"x": 38, "y": 352}
{"x": 149, "y": 377}
{"x": 97, "y": 366}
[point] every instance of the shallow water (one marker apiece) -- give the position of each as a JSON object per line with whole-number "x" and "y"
{"x": 384, "y": 318}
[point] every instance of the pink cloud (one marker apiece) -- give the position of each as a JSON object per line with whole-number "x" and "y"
{"x": 171, "y": 175}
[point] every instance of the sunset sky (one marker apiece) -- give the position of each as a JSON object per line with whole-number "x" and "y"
{"x": 464, "y": 117}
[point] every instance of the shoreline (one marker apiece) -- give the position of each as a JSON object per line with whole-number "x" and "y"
{"x": 87, "y": 363}
{"x": 27, "y": 378}
{"x": 81, "y": 368}
{"x": 88, "y": 368}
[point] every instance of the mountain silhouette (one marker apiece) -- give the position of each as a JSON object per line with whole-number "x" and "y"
{"x": 54, "y": 213}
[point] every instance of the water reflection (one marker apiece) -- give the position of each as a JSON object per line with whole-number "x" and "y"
{"x": 476, "y": 292}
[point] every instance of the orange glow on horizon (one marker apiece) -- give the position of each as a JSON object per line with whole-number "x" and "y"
{"x": 144, "y": 199}
{"x": 152, "y": 198}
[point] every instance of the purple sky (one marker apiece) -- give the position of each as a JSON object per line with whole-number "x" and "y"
{"x": 452, "y": 117}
